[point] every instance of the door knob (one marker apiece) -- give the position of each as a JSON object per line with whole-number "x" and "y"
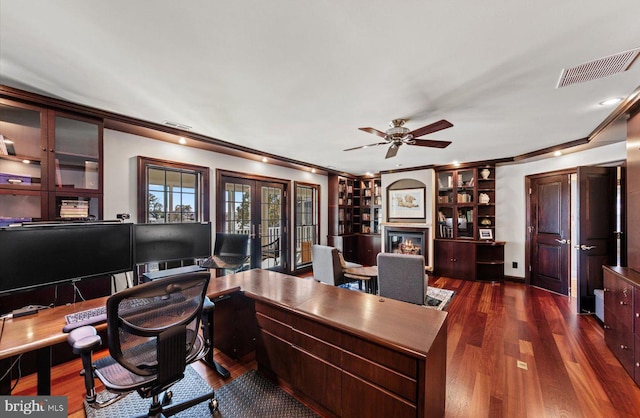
{"x": 587, "y": 247}
{"x": 561, "y": 241}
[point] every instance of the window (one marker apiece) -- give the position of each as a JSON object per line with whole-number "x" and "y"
{"x": 306, "y": 221}
{"x": 170, "y": 192}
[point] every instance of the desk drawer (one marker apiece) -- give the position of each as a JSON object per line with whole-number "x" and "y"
{"x": 383, "y": 377}
{"x": 317, "y": 347}
{"x": 278, "y": 314}
{"x": 275, "y": 327}
{"x": 394, "y": 360}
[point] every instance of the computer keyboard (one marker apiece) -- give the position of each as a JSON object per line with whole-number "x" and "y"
{"x": 86, "y": 317}
{"x": 97, "y": 315}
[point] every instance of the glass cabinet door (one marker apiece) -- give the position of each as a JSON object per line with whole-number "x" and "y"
{"x": 76, "y": 153}
{"x": 21, "y": 147}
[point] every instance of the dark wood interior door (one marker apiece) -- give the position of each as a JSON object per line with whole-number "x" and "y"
{"x": 596, "y": 233}
{"x": 549, "y": 232}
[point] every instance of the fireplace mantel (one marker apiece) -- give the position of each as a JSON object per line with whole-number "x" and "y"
{"x": 405, "y": 225}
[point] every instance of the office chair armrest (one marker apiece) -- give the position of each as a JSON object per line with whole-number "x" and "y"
{"x": 84, "y": 339}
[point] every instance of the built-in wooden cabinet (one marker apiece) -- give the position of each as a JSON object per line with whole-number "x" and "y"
{"x": 50, "y": 164}
{"x": 470, "y": 260}
{"x": 370, "y": 207}
{"x": 355, "y": 214}
{"x": 465, "y": 203}
{"x": 622, "y": 317}
{"x": 465, "y": 246}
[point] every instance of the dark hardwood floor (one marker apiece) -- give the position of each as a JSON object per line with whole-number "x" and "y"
{"x": 513, "y": 351}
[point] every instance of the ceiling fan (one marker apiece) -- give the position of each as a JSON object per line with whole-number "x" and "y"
{"x": 397, "y": 135}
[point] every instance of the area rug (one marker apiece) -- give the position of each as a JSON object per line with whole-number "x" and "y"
{"x": 250, "y": 395}
{"x": 435, "y": 298}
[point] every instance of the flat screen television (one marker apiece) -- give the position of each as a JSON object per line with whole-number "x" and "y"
{"x": 171, "y": 241}
{"x": 40, "y": 255}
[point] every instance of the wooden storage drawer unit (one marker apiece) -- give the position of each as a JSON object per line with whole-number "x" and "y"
{"x": 622, "y": 317}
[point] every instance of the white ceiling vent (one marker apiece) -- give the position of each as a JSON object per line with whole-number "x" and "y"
{"x": 176, "y": 125}
{"x": 602, "y": 67}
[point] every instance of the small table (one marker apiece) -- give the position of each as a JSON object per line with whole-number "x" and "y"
{"x": 367, "y": 275}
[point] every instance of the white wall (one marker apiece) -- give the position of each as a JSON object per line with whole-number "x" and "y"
{"x": 120, "y": 172}
{"x": 511, "y": 196}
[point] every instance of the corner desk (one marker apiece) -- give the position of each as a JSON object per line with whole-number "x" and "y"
{"x": 346, "y": 353}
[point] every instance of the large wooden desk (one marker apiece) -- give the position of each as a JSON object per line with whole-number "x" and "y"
{"x": 348, "y": 353}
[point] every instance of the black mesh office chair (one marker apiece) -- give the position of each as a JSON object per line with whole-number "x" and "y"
{"x": 230, "y": 252}
{"x": 153, "y": 333}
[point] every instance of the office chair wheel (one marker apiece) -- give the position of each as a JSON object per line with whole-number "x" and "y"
{"x": 166, "y": 399}
{"x": 213, "y": 405}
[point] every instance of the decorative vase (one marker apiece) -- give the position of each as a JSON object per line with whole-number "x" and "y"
{"x": 485, "y": 173}
{"x": 485, "y": 222}
{"x": 484, "y": 198}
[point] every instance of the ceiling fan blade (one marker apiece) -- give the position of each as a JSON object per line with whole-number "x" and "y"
{"x": 431, "y": 143}
{"x": 434, "y": 127}
{"x": 392, "y": 151}
{"x": 374, "y": 131}
{"x": 366, "y": 146}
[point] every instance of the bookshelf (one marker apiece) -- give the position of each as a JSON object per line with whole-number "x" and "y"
{"x": 465, "y": 244}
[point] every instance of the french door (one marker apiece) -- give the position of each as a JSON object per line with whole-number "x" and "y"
{"x": 255, "y": 207}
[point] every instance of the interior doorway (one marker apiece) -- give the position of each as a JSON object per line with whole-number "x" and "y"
{"x": 573, "y": 228}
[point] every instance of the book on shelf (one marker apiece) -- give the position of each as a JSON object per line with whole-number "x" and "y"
{"x": 3, "y": 146}
{"x": 74, "y": 209}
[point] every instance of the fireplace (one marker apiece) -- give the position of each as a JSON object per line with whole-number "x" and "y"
{"x": 407, "y": 241}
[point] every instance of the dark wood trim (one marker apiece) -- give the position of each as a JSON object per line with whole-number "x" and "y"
{"x": 473, "y": 164}
{"x": 141, "y": 182}
{"x": 295, "y": 216}
{"x": 550, "y": 149}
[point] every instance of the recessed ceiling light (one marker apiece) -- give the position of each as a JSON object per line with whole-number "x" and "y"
{"x": 456, "y": 163}
{"x": 264, "y": 159}
{"x": 557, "y": 153}
{"x": 182, "y": 140}
{"x": 611, "y": 102}
{"x": 398, "y": 165}
{"x": 313, "y": 170}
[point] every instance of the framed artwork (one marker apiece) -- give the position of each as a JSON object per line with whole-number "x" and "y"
{"x": 406, "y": 203}
{"x": 485, "y": 234}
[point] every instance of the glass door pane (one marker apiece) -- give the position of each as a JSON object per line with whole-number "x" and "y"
{"x": 77, "y": 154}
{"x": 270, "y": 226}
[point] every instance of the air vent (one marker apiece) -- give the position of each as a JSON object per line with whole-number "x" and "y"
{"x": 177, "y": 125}
{"x": 599, "y": 68}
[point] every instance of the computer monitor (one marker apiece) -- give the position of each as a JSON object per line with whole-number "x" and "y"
{"x": 41, "y": 255}
{"x": 171, "y": 241}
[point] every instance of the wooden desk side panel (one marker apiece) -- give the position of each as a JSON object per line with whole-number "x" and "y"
{"x": 434, "y": 383}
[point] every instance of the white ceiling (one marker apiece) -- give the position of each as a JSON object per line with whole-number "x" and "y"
{"x": 298, "y": 78}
